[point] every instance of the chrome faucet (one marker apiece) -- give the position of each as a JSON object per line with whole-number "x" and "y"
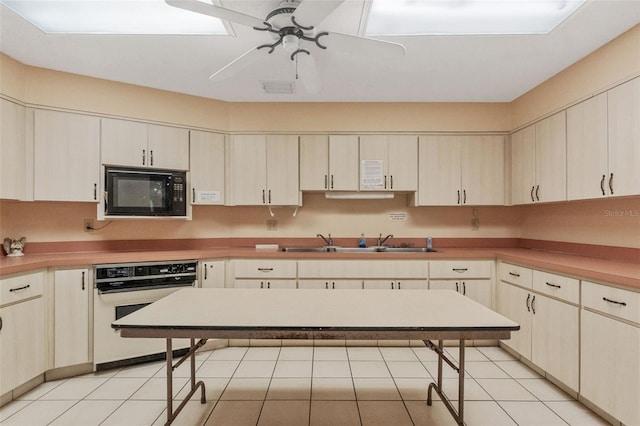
{"x": 382, "y": 240}
{"x": 328, "y": 241}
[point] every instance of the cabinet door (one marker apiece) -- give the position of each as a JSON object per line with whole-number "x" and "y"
{"x": 314, "y": 163}
{"x": 624, "y": 139}
{"x": 380, "y": 285}
{"x": 13, "y": 160}
{"x": 168, "y": 148}
{"x": 212, "y": 274}
{"x": 403, "y": 163}
{"x": 551, "y": 159}
{"x": 282, "y": 170}
{"x": 71, "y": 317}
{"x": 439, "y": 173}
{"x": 523, "y": 166}
{"x": 514, "y": 303}
{"x": 554, "y": 339}
{"x": 482, "y": 170}
{"x": 124, "y": 143}
{"x": 344, "y": 164}
{"x": 22, "y": 343}
{"x": 478, "y": 290}
{"x": 587, "y": 149}
{"x": 265, "y": 284}
{"x": 207, "y": 161}
{"x": 374, "y": 148}
{"x": 610, "y": 371}
{"x": 66, "y": 156}
{"x": 248, "y": 170}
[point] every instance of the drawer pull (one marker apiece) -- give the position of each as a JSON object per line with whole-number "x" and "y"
{"x": 613, "y": 301}
{"x": 513, "y": 274}
{"x": 553, "y": 285}
{"x": 20, "y": 288}
{"x": 460, "y": 270}
{"x": 265, "y": 269}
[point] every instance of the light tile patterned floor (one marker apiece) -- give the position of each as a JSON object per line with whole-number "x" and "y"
{"x": 306, "y": 386}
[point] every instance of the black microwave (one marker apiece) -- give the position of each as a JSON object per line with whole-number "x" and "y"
{"x": 140, "y": 192}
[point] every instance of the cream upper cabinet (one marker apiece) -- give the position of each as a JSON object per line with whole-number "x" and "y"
{"x": 393, "y": 161}
{"x": 329, "y": 163}
{"x": 66, "y": 156}
{"x": 539, "y": 162}
{"x": 603, "y": 144}
{"x": 461, "y": 170}
{"x": 624, "y": 139}
{"x": 130, "y": 143}
{"x": 207, "y": 173}
{"x": 314, "y": 163}
{"x": 72, "y": 291}
{"x": 264, "y": 170}
{"x": 13, "y": 163}
{"x": 343, "y": 163}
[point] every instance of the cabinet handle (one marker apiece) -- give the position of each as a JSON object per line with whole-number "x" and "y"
{"x": 513, "y": 274}
{"x": 464, "y": 288}
{"x": 331, "y": 181}
{"x": 326, "y": 285}
{"x": 24, "y": 287}
{"x": 392, "y": 286}
{"x": 144, "y": 156}
{"x": 95, "y": 191}
{"x": 457, "y": 288}
{"x": 533, "y": 306}
{"x": 261, "y": 284}
{"x": 193, "y": 195}
{"x": 0, "y": 323}
{"x": 528, "y": 306}
{"x": 205, "y": 271}
{"x": 458, "y": 196}
{"x": 151, "y": 157}
{"x": 532, "y": 199}
{"x": 326, "y": 181}
{"x": 391, "y": 179}
{"x": 83, "y": 280}
{"x": 263, "y": 197}
{"x": 269, "y": 196}
{"x": 459, "y": 270}
{"x": 537, "y": 191}
{"x": 464, "y": 193}
{"x": 333, "y": 285}
{"x": 268, "y": 284}
{"x": 602, "y": 185}
{"x": 611, "y": 183}
{"x": 553, "y": 285}
{"x": 614, "y": 301}
{"x": 385, "y": 181}
{"x": 265, "y": 269}
{"x": 399, "y": 284}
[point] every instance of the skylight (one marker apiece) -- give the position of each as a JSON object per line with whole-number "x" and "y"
{"x": 113, "y": 17}
{"x": 467, "y": 17}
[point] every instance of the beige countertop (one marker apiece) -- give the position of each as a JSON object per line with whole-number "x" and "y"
{"x": 624, "y": 274}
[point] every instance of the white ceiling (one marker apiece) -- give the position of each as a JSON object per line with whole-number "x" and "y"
{"x": 434, "y": 69}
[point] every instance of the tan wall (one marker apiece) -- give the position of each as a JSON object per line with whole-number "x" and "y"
{"x": 584, "y": 222}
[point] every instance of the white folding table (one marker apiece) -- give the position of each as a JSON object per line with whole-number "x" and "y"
{"x": 200, "y": 314}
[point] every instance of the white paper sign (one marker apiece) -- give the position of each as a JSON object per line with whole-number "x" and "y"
{"x": 207, "y": 197}
{"x": 398, "y": 217}
{"x": 372, "y": 174}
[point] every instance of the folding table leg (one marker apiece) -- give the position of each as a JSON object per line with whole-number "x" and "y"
{"x": 459, "y": 416}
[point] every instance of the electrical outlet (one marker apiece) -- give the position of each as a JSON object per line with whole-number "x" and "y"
{"x": 272, "y": 225}
{"x": 88, "y": 225}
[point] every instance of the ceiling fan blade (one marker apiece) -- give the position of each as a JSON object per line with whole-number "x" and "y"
{"x": 216, "y": 12}
{"x": 311, "y": 13}
{"x": 307, "y": 73}
{"x": 362, "y": 46}
{"x": 232, "y": 68}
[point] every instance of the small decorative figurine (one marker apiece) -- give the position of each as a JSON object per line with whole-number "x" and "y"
{"x": 13, "y": 248}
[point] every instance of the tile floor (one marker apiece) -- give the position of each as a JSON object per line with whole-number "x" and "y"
{"x": 305, "y": 386}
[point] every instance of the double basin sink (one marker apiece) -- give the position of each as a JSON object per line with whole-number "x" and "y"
{"x": 374, "y": 249}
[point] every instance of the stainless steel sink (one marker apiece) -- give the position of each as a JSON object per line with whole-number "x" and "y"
{"x": 374, "y": 249}
{"x": 309, "y": 249}
{"x": 409, "y": 250}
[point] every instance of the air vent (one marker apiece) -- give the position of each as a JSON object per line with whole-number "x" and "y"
{"x": 278, "y": 87}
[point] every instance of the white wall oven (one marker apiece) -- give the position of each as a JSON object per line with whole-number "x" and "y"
{"x": 121, "y": 289}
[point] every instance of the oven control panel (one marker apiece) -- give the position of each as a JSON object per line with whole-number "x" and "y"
{"x": 128, "y": 276}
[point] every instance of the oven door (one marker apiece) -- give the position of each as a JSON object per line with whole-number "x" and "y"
{"x": 109, "y": 347}
{"x": 138, "y": 193}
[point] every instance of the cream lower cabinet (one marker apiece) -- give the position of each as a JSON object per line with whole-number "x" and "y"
{"x": 66, "y": 156}
{"x": 332, "y": 284}
{"x": 13, "y": 160}
{"x": 549, "y": 326}
{"x": 263, "y": 274}
{"x": 72, "y": 325}
{"x": 22, "y": 330}
{"x": 473, "y": 278}
{"x": 610, "y": 350}
{"x": 207, "y": 168}
{"x": 212, "y": 273}
{"x": 415, "y": 284}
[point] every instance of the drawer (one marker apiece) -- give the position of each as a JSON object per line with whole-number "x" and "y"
{"x": 516, "y": 275}
{"x": 254, "y": 268}
{"x": 564, "y": 288}
{"x": 617, "y": 302}
{"x": 20, "y": 287}
{"x": 460, "y": 269}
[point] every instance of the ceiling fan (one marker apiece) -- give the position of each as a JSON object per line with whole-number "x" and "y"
{"x": 293, "y": 27}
